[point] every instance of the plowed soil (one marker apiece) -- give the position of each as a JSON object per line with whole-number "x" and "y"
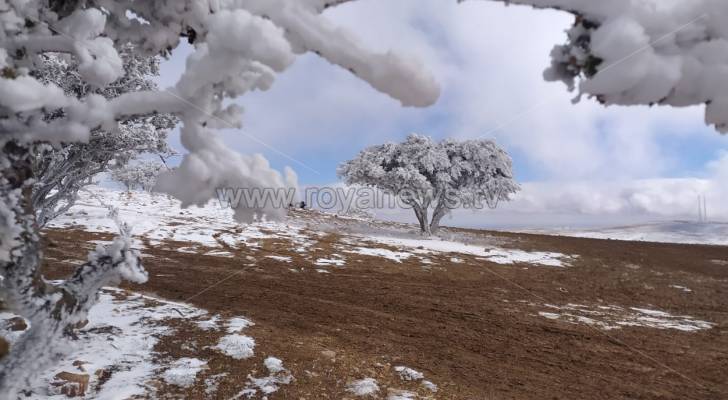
{"x": 472, "y": 328}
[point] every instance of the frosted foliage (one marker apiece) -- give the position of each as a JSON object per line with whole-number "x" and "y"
{"x": 142, "y": 175}
{"x": 629, "y": 52}
{"x": 444, "y": 175}
{"x": 61, "y": 170}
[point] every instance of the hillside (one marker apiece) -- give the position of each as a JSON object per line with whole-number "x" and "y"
{"x": 686, "y": 232}
{"x": 322, "y": 306}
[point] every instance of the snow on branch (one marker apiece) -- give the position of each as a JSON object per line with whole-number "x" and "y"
{"x": 645, "y": 52}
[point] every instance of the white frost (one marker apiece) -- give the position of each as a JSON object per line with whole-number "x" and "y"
{"x": 237, "y": 324}
{"x": 183, "y": 372}
{"x": 122, "y": 331}
{"x": 236, "y": 346}
{"x": 492, "y": 254}
{"x": 409, "y": 374}
{"x": 615, "y": 317}
{"x": 363, "y": 387}
{"x": 385, "y": 253}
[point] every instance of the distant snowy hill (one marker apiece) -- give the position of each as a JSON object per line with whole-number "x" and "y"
{"x": 663, "y": 232}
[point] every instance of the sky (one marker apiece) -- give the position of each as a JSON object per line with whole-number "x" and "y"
{"x": 579, "y": 164}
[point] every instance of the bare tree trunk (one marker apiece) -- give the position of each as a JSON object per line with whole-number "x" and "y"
{"x": 435, "y": 224}
{"x": 421, "y": 213}
{"x": 440, "y": 211}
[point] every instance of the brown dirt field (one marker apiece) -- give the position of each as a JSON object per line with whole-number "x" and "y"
{"x": 472, "y": 328}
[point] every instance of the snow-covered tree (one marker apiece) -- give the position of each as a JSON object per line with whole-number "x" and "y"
{"x": 140, "y": 175}
{"x": 440, "y": 176}
{"x": 239, "y": 46}
{"x": 645, "y": 52}
{"x": 62, "y": 169}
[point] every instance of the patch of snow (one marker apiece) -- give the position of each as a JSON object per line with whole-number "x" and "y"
{"x": 236, "y": 346}
{"x": 395, "y": 394}
{"x": 409, "y": 374}
{"x": 209, "y": 324}
{"x": 183, "y": 372}
{"x": 270, "y": 384}
{"x": 237, "y": 324}
{"x": 653, "y": 313}
{"x": 363, "y": 387}
{"x": 683, "y": 288}
{"x": 510, "y": 256}
{"x": 615, "y": 317}
{"x": 120, "y": 336}
{"x": 549, "y": 315}
{"x": 220, "y": 253}
{"x": 430, "y": 386}
{"x": 492, "y": 254}
{"x": 212, "y": 383}
{"x": 280, "y": 258}
{"x": 330, "y": 261}
{"x": 274, "y": 365}
{"x": 385, "y": 253}
{"x": 158, "y": 217}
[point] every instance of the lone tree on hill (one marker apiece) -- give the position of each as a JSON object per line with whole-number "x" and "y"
{"x": 425, "y": 174}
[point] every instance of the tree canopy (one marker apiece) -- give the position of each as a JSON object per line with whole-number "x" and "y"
{"x": 444, "y": 175}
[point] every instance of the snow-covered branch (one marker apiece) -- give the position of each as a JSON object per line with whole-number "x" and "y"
{"x": 54, "y": 311}
{"x": 643, "y": 52}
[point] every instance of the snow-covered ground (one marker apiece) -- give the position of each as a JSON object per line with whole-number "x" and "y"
{"x": 490, "y": 253}
{"x": 115, "y": 358}
{"x": 664, "y": 232}
{"x": 155, "y": 218}
{"x": 369, "y": 387}
{"x": 615, "y": 317}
